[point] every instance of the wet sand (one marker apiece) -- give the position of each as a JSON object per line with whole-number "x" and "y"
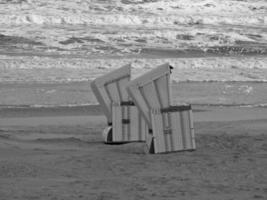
{"x": 48, "y": 94}
{"x": 59, "y": 154}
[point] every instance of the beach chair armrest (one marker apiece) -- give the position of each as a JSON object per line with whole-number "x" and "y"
{"x": 175, "y": 108}
{"x": 125, "y": 121}
{"x": 127, "y": 103}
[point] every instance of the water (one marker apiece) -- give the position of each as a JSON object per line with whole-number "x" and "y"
{"x": 43, "y": 69}
{"x": 80, "y": 94}
{"x": 118, "y": 27}
{"x": 60, "y": 81}
{"x": 50, "y": 51}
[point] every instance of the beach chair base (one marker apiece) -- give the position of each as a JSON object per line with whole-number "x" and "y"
{"x": 127, "y": 125}
{"x": 172, "y": 130}
{"x": 107, "y": 134}
{"x": 151, "y": 149}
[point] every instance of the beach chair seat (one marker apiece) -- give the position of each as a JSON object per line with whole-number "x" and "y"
{"x": 125, "y": 123}
{"x": 171, "y": 126}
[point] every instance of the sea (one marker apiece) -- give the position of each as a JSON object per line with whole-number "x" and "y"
{"x": 50, "y": 50}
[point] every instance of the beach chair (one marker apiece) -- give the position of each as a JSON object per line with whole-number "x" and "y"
{"x": 170, "y": 127}
{"x": 125, "y": 123}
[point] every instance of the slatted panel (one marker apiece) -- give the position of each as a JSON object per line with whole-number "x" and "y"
{"x": 186, "y": 130}
{"x": 124, "y": 127}
{"x": 177, "y": 136}
{"x": 136, "y": 130}
{"x": 117, "y": 112}
{"x": 162, "y": 85}
{"x": 156, "y": 94}
{"x": 150, "y": 94}
{"x": 123, "y": 131}
{"x": 114, "y": 93}
{"x": 103, "y": 99}
{"x": 138, "y": 126}
{"x": 172, "y": 130}
{"x": 99, "y": 89}
{"x": 134, "y": 124}
{"x": 126, "y": 132}
{"x": 183, "y": 138}
{"x": 157, "y": 125}
{"x": 151, "y": 75}
{"x": 189, "y": 131}
{"x": 192, "y": 129}
{"x": 144, "y": 92}
{"x": 116, "y": 123}
{"x": 135, "y": 86}
{"x": 110, "y": 91}
{"x": 143, "y": 127}
{"x": 121, "y": 85}
{"x": 183, "y": 126}
{"x": 135, "y": 93}
{"x": 113, "y": 76}
{"x": 151, "y": 97}
{"x": 106, "y": 100}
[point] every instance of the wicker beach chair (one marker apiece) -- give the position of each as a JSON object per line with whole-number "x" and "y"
{"x": 171, "y": 127}
{"x": 125, "y": 123}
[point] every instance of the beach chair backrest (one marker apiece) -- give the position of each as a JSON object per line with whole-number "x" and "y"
{"x": 171, "y": 127}
{"x": 109, "y": 89}
{"x": 151, "y": 91}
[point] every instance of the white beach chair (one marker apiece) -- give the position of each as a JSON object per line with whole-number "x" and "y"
{"x": 171, "y": 127}
{"x": 125, "y": 123}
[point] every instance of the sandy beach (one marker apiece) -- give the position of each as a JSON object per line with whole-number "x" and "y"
{"x": 61, "y": 155}
{"x": 51, "y": 145}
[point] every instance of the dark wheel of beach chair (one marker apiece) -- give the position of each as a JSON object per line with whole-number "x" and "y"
{"x": 171, "y": 127}
{"x": 125, "y": 123}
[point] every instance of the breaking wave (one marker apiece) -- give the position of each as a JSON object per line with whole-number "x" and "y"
{"x": 120, "y": 27}
{"x": 63, "y": 70}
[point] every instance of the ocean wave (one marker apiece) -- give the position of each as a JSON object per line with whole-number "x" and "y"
{"x": 76, "y": 40}
{"x": 127, "y": 27}
{"x": 131, "y": 20}
{"x": 148, "y": 13}
{"x": 64, "y": 70}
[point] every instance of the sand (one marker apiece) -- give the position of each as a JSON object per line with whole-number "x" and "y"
{"x": 47, "y": 154}
{"x": 51, "y": 146}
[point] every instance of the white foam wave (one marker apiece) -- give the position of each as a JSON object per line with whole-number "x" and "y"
{"x": 45, "y": 69}
{"x": 132, "y": 20}
{"x": 163, "y": 13}
{"x": 121, "y": 27}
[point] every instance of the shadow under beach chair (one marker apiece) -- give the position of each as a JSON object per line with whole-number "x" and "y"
{"x": 171, "y": 127}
